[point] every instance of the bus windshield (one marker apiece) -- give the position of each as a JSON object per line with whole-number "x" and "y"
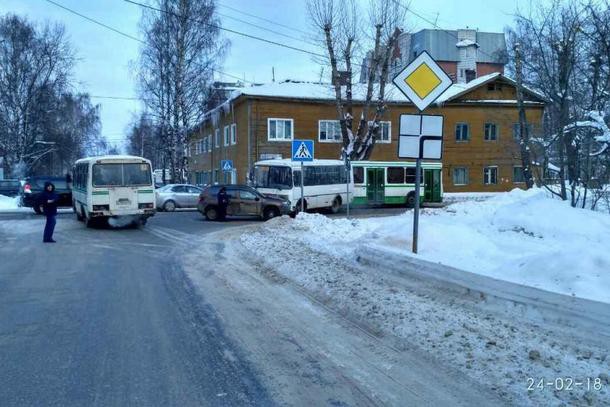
{"x": 122, "y": 174}
{"x": 273, "y": 177}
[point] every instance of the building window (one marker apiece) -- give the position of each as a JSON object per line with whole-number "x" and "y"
{"x": 385, "y": 133}
{"x": 461, "y": 132}
{"x": 490, "y": 175}
{"x": 460, "y": 176}
{"x": 396, "y": 175}
{"x": 329, "y": 131}
{"x": 491, "y": 132}
{"x": 234, "y": 134}
{"x": 217, "y": 138}
{"x": 517, "y": 130}
{"x": 209, "y": 143}
{"x": 279, "y": 129}
{"x": 494, "y": 86}
{"x": 518, "y": 174}
{"x": 227, "y": 136}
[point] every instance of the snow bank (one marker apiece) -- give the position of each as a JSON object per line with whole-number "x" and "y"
{"x": 521, "y": 236}
{"x": 7, "y": 203}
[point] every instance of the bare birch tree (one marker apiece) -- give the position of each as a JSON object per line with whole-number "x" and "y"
{"x": 182, "y": 48}
{"x": 344, "y": 30}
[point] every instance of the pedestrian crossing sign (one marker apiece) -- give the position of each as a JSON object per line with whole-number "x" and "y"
{"x": 226, "y": 165}
{"x": 302, "y": 150}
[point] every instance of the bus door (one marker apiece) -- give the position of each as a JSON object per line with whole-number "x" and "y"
{"x": 375, "y": 185}
{"x": 432, "y": 186}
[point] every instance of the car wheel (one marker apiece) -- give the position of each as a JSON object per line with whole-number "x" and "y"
{"x": 270, "y": 212}
{"x": 211, "y": 213}
{"x": 336, "y": 205}
{"x": 169, "y": 206}
{"x": 410, "y": 200}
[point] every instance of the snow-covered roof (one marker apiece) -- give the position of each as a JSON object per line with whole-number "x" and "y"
{"x": 325, "y": 91}
{"x": 466, "y": 43}
{"x": 112, "y": 157}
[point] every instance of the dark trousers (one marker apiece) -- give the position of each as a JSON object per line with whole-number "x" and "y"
{"x": 49, "y": 227}
{"x": 222, "y": 212}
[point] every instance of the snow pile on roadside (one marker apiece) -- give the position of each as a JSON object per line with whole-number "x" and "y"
{"x": 8, "y": 203}
{"x": 520, "y": 236}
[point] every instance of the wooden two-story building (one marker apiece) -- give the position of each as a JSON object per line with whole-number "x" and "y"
{"x": 480, "y": 151}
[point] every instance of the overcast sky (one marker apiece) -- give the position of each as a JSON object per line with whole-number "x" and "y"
{"x": 107, "y": 59}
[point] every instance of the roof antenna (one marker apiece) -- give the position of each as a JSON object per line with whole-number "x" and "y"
{"x": 272, "y": 74}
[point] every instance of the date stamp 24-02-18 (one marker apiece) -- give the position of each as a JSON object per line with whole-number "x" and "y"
{"x": 565, "y": 384}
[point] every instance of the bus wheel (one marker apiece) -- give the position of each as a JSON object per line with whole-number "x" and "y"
{"x": 297, "y": 208}
{"x": 336, "y": 205}
{"x": 169, "y": 206}
{"x": 211, "y": 213}
{"x": 411, "y": 200}
{"x": 79, "y": 217}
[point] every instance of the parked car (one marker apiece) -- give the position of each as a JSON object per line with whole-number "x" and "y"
{"x": 33, "y": 186}
{"x": 172, "y": 196}
{"x": 243, "y": 201}
{"x": 9, "y": 187}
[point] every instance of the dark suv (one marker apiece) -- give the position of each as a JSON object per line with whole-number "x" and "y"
{"x": 243, "y": 201}
{"x": 35, "y": 185}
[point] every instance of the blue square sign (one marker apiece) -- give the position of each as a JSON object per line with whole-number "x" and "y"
{"x": 226, "y": 165}
{"x": 302, "y": 150}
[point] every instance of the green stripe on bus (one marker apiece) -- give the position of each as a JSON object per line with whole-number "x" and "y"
{"x": 100, "y": 193}
{"x": 145, "y": 191}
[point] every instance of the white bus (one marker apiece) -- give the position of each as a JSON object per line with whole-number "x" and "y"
{"x": 393, "y": 182}
{"x": 325, "y": 182}
{"x": 113, "y": 187}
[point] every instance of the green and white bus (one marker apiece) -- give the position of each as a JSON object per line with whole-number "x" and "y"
{"x": 113, "y": 187}
{"x": 393, "y": 182}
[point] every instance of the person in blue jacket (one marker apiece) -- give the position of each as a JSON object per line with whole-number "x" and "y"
{"x": 48, "y": 200}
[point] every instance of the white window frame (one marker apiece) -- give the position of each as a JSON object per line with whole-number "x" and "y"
{"x": 209, "y": 143}
{"x": 233, "y": 134}
{"x": 279, "y": 119}
{"x": 226, "y": 136}
{"x": 467, "y": 133}
{"x": 389, "y": 124}
{"x": 217, "y": 138}
{"x": 465, "y": 176}
{"x": 495, "y": 126}
{"x": 523, "y": 175}
{"x": 339, "y": 140}
{"x": 485, "y": 175}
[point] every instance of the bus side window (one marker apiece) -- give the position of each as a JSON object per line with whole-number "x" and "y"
{"x": 358, "y": 175}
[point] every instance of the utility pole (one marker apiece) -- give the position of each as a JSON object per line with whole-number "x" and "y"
{"x": 524, "y": 137}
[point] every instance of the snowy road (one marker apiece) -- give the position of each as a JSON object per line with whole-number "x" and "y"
{"x": 181, "y": 313}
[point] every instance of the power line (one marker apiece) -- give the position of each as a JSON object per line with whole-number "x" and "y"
{"x": 114, "y": 97}
{"x": 131, "y": 37}
{"x": 264, "y": 28}
{"x": 263, "y": 19}
{"x": 254, "y": 37}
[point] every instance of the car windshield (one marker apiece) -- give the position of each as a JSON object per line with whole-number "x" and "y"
{"x": 278, "y": 177}
{"x": 122, "y": 174}
{"x": 59, "y": 183}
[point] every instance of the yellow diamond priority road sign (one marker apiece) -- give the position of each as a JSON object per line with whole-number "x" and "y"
{"x": 422, "y": 81}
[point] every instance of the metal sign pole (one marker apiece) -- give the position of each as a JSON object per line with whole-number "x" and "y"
{"x": 347, "y": 170}
{"x": 416, "y": 208}
{"x": 302, "y": 193}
